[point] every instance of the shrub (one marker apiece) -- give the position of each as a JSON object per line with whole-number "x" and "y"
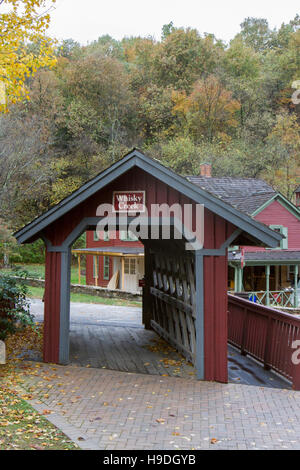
{"x": 33, "y": 253}
{"x": 14, "y": 307}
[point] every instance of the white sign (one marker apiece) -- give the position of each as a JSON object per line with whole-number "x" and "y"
{"x": 128, "y": 201}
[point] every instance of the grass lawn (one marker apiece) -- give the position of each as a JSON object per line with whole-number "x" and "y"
{"x": 23, "y": 428}
{"x": 38, "y": 292}
{"x": 38, "y": 271}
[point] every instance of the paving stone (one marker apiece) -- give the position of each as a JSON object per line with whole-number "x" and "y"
{"x": 130, "y": 424}
{"x": 119, "y": 409}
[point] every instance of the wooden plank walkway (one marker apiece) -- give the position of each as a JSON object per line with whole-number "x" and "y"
{"x": 125, "y": 349}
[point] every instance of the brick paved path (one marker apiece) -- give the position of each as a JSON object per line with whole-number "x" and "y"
{"x": 103, "y": 409}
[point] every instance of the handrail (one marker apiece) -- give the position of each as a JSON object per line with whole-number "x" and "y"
{"x": 279, "y": 298}
{"x": 266, "y": 334}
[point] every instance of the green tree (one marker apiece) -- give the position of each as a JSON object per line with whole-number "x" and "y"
{"x": 8, "y": 243}
{"x": 167, "y": 29}
{"x": 256, "y": 33}
{"x": 155, "y": 115}
{"x": 183, "y": 57}
{"x": 98, "y": 102}
{"x": 179, "y": 153}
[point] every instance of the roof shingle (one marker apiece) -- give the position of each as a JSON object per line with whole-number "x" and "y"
{"x": 246, "y": 194}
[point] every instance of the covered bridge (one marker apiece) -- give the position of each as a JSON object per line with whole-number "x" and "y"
{"x": 185, "y": 292}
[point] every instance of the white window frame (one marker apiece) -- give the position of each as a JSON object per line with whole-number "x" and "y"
{"x": 284, "y": 231}
{"x": 130, "y": 266}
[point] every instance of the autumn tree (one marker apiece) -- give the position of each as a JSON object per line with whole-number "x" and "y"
{"x": 23, "y": 45}
{"x": 285, "y": 143}
{"x": 209, "y": 110}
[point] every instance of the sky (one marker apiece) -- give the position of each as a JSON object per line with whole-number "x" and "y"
{"x": 86, "y": 20}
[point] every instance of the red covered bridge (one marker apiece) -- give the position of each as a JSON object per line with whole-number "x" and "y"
{"x": 185, "y": 293}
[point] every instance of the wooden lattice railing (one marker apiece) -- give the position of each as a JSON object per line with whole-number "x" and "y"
{"x": 173, "y": 294}
{"x": 270, "y": 336}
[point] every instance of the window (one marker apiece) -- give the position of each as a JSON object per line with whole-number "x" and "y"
{"x": 95, "y": 267}
{"x": 291, "y": 272}
{"x": 106, "y": 267}
{"x": 105, "y": 236}
{"x": 130, "y": 266}
{"x": 283, "y": 231}
{"x": 127, "y": 236}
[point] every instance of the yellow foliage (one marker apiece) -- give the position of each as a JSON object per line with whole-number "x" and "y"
{"x": 22, "y": 23}
{"x": 181, "y": 102}
{"x": 209, "y": 109}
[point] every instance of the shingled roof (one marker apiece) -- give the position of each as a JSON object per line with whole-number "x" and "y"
{"x": 257, "y": 257}
{"x": 246, "y": 194}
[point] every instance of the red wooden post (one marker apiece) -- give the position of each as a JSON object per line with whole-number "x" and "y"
{"x": 52, "y": 307}
{"x": 296, "y": 367}
{"x": 269, "y": 342}
{"x": 296, "y": 377}
{"x": 147, "y": 298}
{"x": 245, "y": 332}
{"x": 215, "y": 318}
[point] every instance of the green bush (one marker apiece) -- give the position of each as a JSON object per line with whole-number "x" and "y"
{"x": 14, "y": 307}
{"x": 33, "y": 253}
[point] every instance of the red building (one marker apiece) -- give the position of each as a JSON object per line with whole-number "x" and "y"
{"x": 115, "y": 259}
{"x": 269, "y": 273}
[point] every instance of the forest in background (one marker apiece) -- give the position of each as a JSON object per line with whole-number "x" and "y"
{"x": 185, "y": 99}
